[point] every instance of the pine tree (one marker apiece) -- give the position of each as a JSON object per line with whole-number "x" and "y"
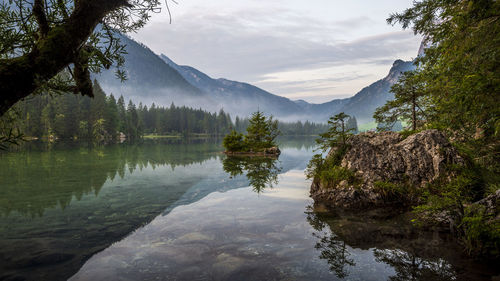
{"x": 133, "y": 130}
{"x": 409, "y": 103}
{"x": 111, "y": 117}
{"x": 337, "y": 134}
{"x": 122, "y": 115}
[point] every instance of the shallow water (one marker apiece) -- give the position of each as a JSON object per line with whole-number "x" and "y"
{"x": 183, "y": 211}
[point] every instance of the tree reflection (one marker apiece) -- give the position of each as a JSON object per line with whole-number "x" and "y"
{"x": 262, "y": 172}
{"x": 33, "y": 180}
{"x": 332, "y": 248}
{"x": 409, "y": 266}
{"x": 413, "y": 254}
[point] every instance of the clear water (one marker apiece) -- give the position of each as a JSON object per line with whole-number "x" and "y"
{"x": 183, "y": 211}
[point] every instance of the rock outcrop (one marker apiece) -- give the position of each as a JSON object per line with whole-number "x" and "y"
{"x": 273, "y": 150}
{"x": 387, "y": 158}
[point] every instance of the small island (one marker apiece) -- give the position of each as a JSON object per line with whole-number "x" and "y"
{"x": 259, "y": 140}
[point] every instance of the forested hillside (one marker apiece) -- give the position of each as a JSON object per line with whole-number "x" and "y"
{"x": 106, "y": 118}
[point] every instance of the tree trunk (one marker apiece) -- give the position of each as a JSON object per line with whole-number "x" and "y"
{"x": 414, "y": 113}
{"x": 21, "y": 76}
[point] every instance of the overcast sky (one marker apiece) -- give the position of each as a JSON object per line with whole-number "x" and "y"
{"x": 316, "y": 50}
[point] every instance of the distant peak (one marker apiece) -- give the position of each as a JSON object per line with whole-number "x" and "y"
{"x": 398, "y": 67}
{"x": 398, "y": 62}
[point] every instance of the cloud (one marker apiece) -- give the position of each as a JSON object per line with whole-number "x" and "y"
{"x": 257, "y": 44}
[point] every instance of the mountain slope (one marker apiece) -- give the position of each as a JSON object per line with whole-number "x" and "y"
{"x": 363, "y": 104}
{"x": 150, "y": 80}
{"x": 237, "y": 97}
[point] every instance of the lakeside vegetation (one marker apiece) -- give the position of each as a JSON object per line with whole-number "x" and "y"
{"x": 454, "y": 89}
{"x": 105, "y": 119}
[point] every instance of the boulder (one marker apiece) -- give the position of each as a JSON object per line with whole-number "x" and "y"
{"x": 273, "y": 150}
{"x": 386, "y": 157}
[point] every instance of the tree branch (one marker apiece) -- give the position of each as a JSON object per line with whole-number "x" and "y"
{"x": 21, "y": 76}
{"x": 41, "y": 18}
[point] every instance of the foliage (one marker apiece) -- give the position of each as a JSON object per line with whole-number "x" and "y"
{"x": 54, "y": 45}
{"x": 328, "y": 170}
{"x": 261, "y": 133}
{"x": 234, "y": 141}
{"x": 402, "y": 192}
{"x": 457, "y": 82}
{"x": 406, "y": 133}
{"x": 352, "y": 124}
{"x": 338, "y": 132}
{"x": 102, "y": 118}
{"x": 298, "y": 128}
{"x": 481, "y": 231}
{"x": 409, "y": 103}
{"x": 318, "y": 163}
{"x": 332, "y": 176}
{"x": 453, "y": 199}
{"x": 459, "y": 70}
{"x": 10, "y": 133}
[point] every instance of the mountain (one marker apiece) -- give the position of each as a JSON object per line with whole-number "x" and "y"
{"x": 363, "y": 104}
{"x": 151, "y": 80}
{"x": 158, "y": 79}
{"x": 237, "y": 97}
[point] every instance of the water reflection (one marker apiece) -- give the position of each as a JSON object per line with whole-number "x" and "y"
{"x": 58, "y": 206}
{"x": 409, "y": 266}
{"x": 331, "y": 247}
{"x": 261, "y": 172}
{"x": 412, "y": 254}
{"x": 34, "y": 180}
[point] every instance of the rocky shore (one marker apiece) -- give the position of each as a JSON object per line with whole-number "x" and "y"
{"x": 386, "y": 158}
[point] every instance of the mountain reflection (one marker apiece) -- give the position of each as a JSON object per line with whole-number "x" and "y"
{"x": 32, "y": 181}
{"x": 411, "y": 253}
{"x": 262, "y": 172}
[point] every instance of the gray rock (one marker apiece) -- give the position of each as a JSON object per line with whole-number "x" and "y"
{"x": 273, "y": 150}
{"x": 385, "y": 157}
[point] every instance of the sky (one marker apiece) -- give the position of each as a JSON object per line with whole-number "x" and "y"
{"x": 315, "y": 50}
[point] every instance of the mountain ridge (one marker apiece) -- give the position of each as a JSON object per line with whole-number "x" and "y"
{"x": 157, "y": 79}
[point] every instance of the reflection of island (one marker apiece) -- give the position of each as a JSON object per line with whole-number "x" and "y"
{"x": 262, "y": 172}
{"x": 413, "y": 254}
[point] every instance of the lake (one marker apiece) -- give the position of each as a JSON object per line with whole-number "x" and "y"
{"x": 182, "y": 210}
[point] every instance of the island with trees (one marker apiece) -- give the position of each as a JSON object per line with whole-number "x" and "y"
{"x": 259, "y": 140}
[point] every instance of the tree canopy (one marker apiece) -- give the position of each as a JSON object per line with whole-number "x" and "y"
{"x": 261, "y": 133}
{"x": 460, "y": 67}
{"x": 54, "y": 45}
{"x": 409, "y": 103}
{"x": 338, "y": 132}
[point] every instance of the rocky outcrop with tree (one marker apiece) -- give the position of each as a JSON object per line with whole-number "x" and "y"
{"x": 387, "y": 168}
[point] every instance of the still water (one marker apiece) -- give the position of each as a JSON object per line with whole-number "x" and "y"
{"x": 181, "y": 210}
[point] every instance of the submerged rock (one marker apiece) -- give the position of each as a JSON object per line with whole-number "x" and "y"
{"x": 385, "y": 158}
